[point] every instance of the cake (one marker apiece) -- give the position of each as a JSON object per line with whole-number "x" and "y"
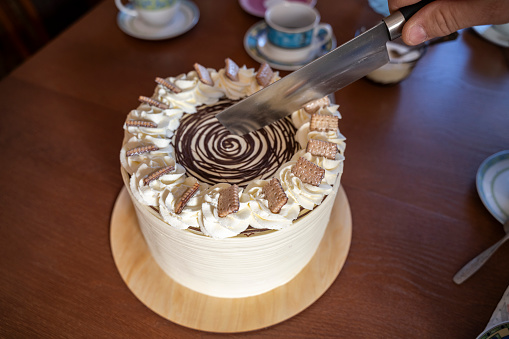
{"x": 225, "y": 215}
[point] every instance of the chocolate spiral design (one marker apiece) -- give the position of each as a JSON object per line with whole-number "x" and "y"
{"x": 211, "y": 154}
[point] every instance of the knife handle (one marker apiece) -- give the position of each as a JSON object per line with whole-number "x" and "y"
{"x": 410, "y": 10}
{"x": 396, "y": 20}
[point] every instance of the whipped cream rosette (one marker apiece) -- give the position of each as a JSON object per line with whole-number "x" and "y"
{"x": 301, "y": 116}
{"x": 153, "y": 177}
{"x": 332, "y": 167}
{"x": 304, "y": 134}
{"x": 246, "y": 84}
{"x": 262, "y": 216}
{"x": 223, "y": 227}
{"x": 307, "y": 196}
{"x": 143, "y": 149}
{"x": 191, "y": 213}
{"x": 151, "y": 120}
{"x": 193, "y": 93}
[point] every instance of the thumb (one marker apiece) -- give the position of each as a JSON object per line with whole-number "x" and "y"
{"x": 444, "y": 17}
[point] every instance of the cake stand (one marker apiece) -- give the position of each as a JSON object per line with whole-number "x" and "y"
{"x": 191, "y": 309}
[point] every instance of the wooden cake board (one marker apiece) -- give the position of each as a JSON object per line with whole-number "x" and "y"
{"x": 148, "y": 282}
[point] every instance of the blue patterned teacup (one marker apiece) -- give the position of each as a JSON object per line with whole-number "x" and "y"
{"x": 292, "y": 28}
{"x": 152, "y": 12}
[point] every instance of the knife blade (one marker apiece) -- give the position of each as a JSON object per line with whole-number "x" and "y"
{"x": 327, "y": 74}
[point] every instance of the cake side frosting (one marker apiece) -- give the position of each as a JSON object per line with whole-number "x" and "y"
{"x": 235, "y": 267}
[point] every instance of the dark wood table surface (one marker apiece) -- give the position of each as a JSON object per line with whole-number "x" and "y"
{"x": 413, "y": 151}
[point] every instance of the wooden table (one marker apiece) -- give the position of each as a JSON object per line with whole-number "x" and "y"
{"x": 412, "y": 156}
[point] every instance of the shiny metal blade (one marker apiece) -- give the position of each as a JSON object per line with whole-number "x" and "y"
{"x": 333, "y": 71}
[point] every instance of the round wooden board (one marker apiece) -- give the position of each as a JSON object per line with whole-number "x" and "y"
{"x": 198, "y": 311}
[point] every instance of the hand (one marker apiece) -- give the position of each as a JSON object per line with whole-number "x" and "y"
{"x": 443, "y": 17}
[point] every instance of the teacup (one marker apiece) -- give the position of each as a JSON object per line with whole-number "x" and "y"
{"x": 292, "y": 30}
{"x": 152, "y": 12}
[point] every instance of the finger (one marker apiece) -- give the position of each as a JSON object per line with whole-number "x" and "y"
{"x": 441, "y": 18}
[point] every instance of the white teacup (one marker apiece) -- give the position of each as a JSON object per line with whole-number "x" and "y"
{"x": 152, "y": 12}
{"x": 292, "y": 29}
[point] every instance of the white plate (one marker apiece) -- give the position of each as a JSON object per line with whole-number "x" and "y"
{"x": 256, "y": 38}
{"x": 492, "y": 35}
{"x": 492, "y": 182}
{"x": 184, "y": 20}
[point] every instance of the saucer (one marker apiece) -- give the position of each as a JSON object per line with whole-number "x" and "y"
{"x": 185, "y": 19}
{"x": 256, "y": 38}
{"x": 257, "y": 7}
{"x": 492, "y": 183}
{"x": 492, "y": 35}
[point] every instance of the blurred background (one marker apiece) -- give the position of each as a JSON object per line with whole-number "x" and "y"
{"x": 27, "y": 25}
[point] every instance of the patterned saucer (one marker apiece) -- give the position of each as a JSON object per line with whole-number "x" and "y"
{"x": 256, "y": 37}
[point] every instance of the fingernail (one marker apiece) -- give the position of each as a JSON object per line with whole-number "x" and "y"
{"x": 417, "y": 35}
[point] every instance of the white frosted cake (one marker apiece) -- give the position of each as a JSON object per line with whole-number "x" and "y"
{"x": 225, "y": 215}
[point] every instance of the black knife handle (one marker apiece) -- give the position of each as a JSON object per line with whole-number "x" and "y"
{"x": 410, "y": 10}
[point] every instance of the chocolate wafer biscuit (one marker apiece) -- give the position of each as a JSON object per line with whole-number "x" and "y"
{"x": 153, "y": 102}
{"x": 157, "y": 174}
{"x": 168, "y": 84}
{"x": 314, "y": 106}
{"x": 184, "y": 199}
{"x": 264, "y": 75}
{"x": 322, "y": 148}
{"x": 228, "y": 201}
{"x": 203, "y": 74}
{"x": 308, "y": 172}
{"x": 231, "y": 70}
{"x": 275, "y": 195}
{"x": 139, "y": 123}
{"x": 324, "y": 123}
{"x": 141, "y": 150}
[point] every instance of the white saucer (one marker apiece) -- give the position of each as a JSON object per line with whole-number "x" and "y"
{"x": 492, "y": 35}
{"x": 185, "y": 19}
{"x": 256, "y": 38}
{"x": 492, "y": 182}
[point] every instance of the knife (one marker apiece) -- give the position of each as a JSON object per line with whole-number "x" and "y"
{"x": 327, "y": 74}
